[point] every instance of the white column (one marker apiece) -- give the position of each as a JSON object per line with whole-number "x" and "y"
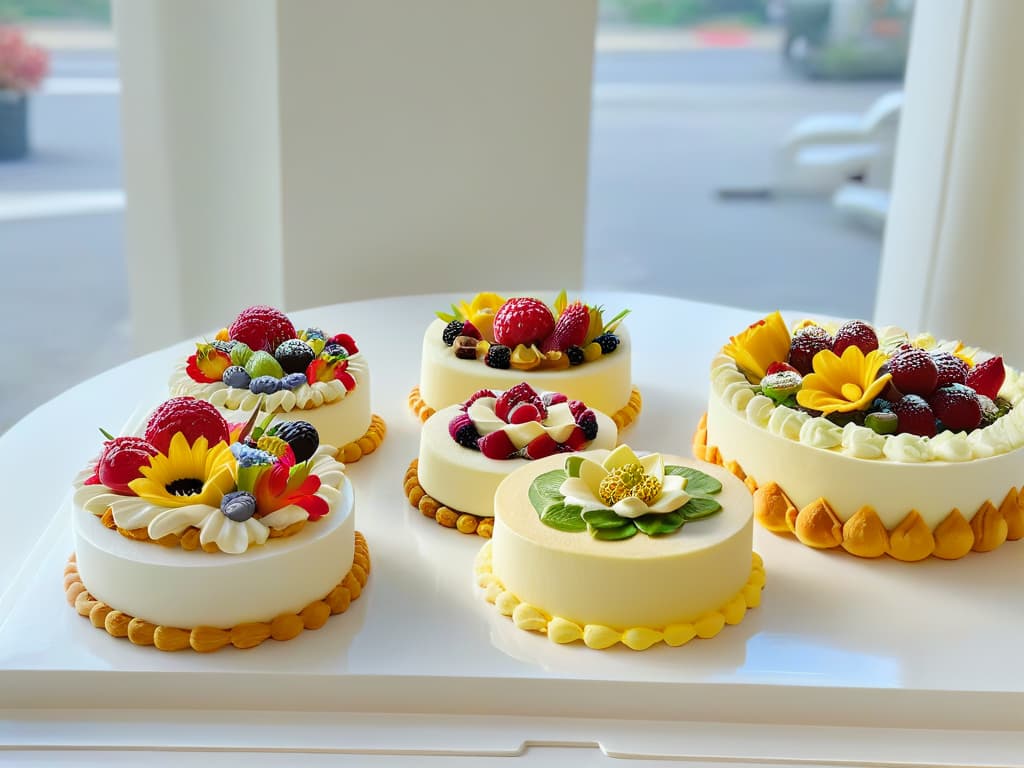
{"x": 953, "y": 261}
{"x": 201, "y": 162}
{"x": 306, "y": 153}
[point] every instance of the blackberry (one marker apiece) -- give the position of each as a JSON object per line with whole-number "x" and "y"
{"x": 301, "y": 436}
{"x": 452, "y": 331}
{"x": 294, "y": 355}
{"x": 609, "y": 342}
{"x": 588, "y": 423}
{"x": 575, "y": 355}
{"x": 467, "y": 436}
{"x": 223, "y": 346}
{"x": 335, "y": 350}
{"x": 498, "y": 356}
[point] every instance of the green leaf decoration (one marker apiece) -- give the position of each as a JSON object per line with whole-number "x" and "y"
{"x": 547, "y": 485}
{"x": 572, "y": 466}
{"x": 614, "y": 534}
{"x": 444, "y": 316}
{"x": 699, "y": 507}
{"x": 659, "y": 525}
{"x": 697, "y": 483}
{"x": 603, "y": 518}
{"x": 612, "y": 324}
{"x": 564, "y": 517}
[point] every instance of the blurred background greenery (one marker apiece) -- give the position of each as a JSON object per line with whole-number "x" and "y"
{"x": 96, "y": 11}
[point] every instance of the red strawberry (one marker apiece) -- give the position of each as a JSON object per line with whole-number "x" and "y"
{"x": 986, "y": 378}
{"x": 496, "y": 445}
{"x": 345, "y": 341}
{"x": 778, "y": 367}
{"x": 520, "y": 393}
{"x": 915, "y": 416}
{"x": 193, "y": 418}
{"x": 541, "y": 447}
{"x": 262, "y": 327}
{"x": 522, "y": 321}
{"x": 914, "y": 372}
{"x": 570, "y": 330}
{"x": 855, "y": 333}
{"x": 553, "y": 398}
{"x": 524, "y": 412}
{"x": 120, "y": 462}
{"x": 957, "y": 406}
{"x": 952, "y": 370}
{"x": 576, "y": 440}
{"x": 806, "y": 343}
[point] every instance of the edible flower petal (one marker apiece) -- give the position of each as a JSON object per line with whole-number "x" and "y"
{"x": 843, "y": 384}
{"x": 208, "y": 472}
{"x": 760, "y": 345}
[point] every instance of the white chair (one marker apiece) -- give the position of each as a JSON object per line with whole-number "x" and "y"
{"x": 824, "y": 152}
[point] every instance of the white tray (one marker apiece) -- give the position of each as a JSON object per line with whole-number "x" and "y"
{"x": 889, "y": 662}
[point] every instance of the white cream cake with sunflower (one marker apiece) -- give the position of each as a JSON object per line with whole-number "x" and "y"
{"x": 870, "y": 439}
{"x": 608, "y": 548}
{"x": 202, "y": 534}
{"x": 493, "y": 342}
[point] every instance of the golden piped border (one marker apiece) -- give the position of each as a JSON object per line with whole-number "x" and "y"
{"x": 208, "y": 639}
{"x": 597, "y": 636}
{"x": 365, "y": 445}
{"x": 623, "y": 418}
{"x": 463, "y": 522}
{"x": 864, "y": 534}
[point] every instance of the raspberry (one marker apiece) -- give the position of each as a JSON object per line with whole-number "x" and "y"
{"x": 301, "y": 436}
{"x": 476, "y": 396}
{"x": 193, "y": 418}
{"x": 541, "y": 447}
{"x": 294, "y": 355}
{"x": 467, "y": 436}
{"x": 498, "y": 356}
{"x": 986, "y": 378}
{"x": 576, "y": 408}
{"x": 468, "y": 329}
{"x": 609, "y": 343}
{"x": 496, "y": 445}
{"x": 520, "y": 393}
{"x": 553, "y": 398}
{"x": 570, "y": 330}
{"x": 120, "y": 462}
{"x": 262, "y": 327}
{"x": 914, "y": 372}
{"x": 587, "y": 421}
{"x": 575, "y": 355}
{"x": 855, "y": 333}
{"x": 522, "y": 321}
{"x": 952, "y": 370}
{"x": 576, "y": 440}
{"x": 806, "y": 343}
{"x": 523, "y": 412}
{"x": 458, "y": 421}
{"x": 915, "y": 416}
{"x": 957, "y": 406}
{"x": 452, "y": 331}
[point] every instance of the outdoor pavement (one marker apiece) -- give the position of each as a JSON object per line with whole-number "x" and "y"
{"x": 676, "y": 118}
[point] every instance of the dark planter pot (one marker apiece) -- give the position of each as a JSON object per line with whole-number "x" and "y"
{"x": 13, "y": 125}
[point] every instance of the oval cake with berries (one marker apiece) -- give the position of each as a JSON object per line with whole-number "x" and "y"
{"x": 260, "y": 359}
{"x": 466, "y": 450}
{"x": 493, "y": 343}
{"x": 870, "y": 439}
{"x": 201, "y": 534}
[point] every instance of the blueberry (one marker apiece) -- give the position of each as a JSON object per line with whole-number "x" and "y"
{"x": 264, "y": 385}
{"x": 236, "y": 376}
{"x": 293, "y": 381}
{"x": 608, "y": 341}
{"x": 575, "y": 355}
{"x": 335, "y": 350}
{"x": 238, "y": 506}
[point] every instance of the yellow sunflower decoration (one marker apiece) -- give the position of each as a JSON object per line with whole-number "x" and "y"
{"x": 843, "y": 384}
{"x": 187, "y": 474}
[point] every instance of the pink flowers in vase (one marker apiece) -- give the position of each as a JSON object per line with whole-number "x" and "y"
{"x": 22, "y": 65}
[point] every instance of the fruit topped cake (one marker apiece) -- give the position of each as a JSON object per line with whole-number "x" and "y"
{"x": 495, "y": 343}
{"x": 466, "y": 450}
{"x": 609, "y": 547}
{"x": 200, "y": 533}
{"x": 307, "y": 374}
{"x": 869, "y": 438}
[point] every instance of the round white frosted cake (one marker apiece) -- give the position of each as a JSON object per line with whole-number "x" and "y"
{"x": 874, "y": 441}
{"x": 495, "y": 343}
{"x": 466, "y": 450}
{"x": 606, "y": 547}
{"x": 260, "y": 360}
{"x": 194, "y": 536}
